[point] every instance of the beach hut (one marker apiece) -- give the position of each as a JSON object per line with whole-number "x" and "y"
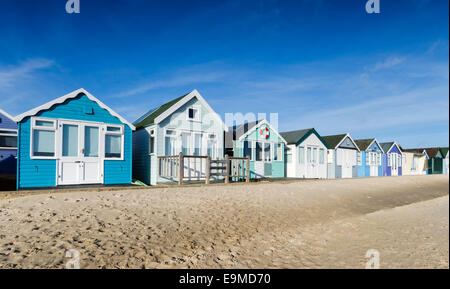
{"x": 8, "y": 150}
{"x": 369, "y": 158}
{"x": 73, "y": 140}
{"x": 392, "y": 159}
{"x": 265, "y": 147}
{"x": 186, "y": 124}
{"x": 444, "y": 153}
{"x": 342, "y": 156}
{"x": 306, "y": 154}
{"x": 414, "y": 162}
{"x": 435, "y": 161}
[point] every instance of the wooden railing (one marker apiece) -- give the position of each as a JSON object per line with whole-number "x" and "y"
{"x": 187, "y": 167}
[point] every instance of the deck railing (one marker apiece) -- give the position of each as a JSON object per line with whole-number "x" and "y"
{"x": 188, "y": 167}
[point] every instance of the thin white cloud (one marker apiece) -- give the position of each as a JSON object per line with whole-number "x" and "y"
{"x": 11, "y": 75}
{"x": 388, "y": 63}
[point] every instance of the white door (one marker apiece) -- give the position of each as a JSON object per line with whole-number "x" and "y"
{"x": 312, "y": 165}
{"x": 80, "y": 161}
{"x": 394, "y": 162}
{"x": 373, "y": 164}
{"x": 347, "y": 164}
{"x": 259, "y": 160}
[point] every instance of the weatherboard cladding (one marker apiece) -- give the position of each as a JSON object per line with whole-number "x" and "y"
{"x": 42, "y": 173}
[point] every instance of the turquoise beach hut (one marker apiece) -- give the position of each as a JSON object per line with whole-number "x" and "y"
{"x": 73, "y": 140}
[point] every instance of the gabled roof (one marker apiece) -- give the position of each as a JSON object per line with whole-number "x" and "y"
{"x": 334, "y": 141}
{"x": 247, "y": 128}
{"x": 417, "y": 151}
{"x": 155, "y": 116}
{"x": 7, "y": 115}
{"x": 298, "y": 136}
{"x": 387, "y": 146}
{"x": 431, "y": 152}
{"x": 444, "y": 151}
{"x": 363, "y": 144}
{"x": 71, "y": 95}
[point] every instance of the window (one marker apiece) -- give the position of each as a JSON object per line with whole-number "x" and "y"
{"x": 169, "y": 143}
{"x": 193, "y": 113}
{"x": 288, "y": 155}
{"x": 399, "y": 162}
{"x": 152, "y": 142}
{"x": 70, "y": 140}
{"x": 247, "y": 149}
{"x": 278, "y": 152}
{"x": 43, "y": 133}
{"x": 197, "y": 144}
{"x": 358, "y": 158}
{"x": 267, "y": 154}
{"x": 258, "y": 151}
{"x": 212, "y": 146}
{"x": 186, "y": 143}
{"x": 315, "y": 155}
{"x": 379, "y": 159}
{"x": 301, "y": 155}
{"x": 8, "y": 139}
{"x": 390, "y": 160}
{"x": 91, "y": 136}
{"x": 309, "y": 155}
{"x": 114, "y": 142}
{"x": 321, "y": 156}
{"x": 414, "y": 164}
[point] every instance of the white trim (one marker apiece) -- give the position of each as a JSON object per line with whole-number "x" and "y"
{"x": 347, "y": 135}
{"x": 8, "y": 134}
{"x": 61, "y": 99}
{"x": 121, "y": 133}
{"x": 7, "y": 115}
{"x": 48, "y": 128}
{"x": 198, "y": 117}
{"x": 258, "y": 125}
{"x": 375, "y": 140}
{"x": 394, "y": 144}
{"x": 183, "y": 101}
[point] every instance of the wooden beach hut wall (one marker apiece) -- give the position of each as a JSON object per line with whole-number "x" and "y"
{"x": 8, "y": 145}
{"x": 306, "y": 154}
{"x": 73, "y": 140}
{"x": 414, "y": 162}
{"x": 342, "y": 156}
{"x": 444, "y": 153}
{"x": 435, "y": 161}
{"x": 186, "y": 124}
{"x": 369, "y": 158}
{"x": 265, "y": 147}
{"x": 392, "y": 159}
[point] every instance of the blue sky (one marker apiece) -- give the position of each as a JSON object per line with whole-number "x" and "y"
{"x": 322, "y": 64}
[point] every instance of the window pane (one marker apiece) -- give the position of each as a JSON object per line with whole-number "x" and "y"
{"x": 169, "y": 146}
{"x": 91, "y": 141}
{"x": 70, "y": 141}
{"x": 113, "y": 146}
{"x": 278, "y": 151}
{"x": 8, "y": 141}
{"x": 44, "y": 123}
{"x": 185, "y": 143}
{"x": 113, "y": 129}
{"x": 258, "y": 151}
{"x": 198, "y": 144}
{"x": 247, "y": 149}
{"x": 212, "y": 149}
{"x": 315, "y": 155}
{"x": 321, "y": 156}
{"x": 301, "y": 155}
{"x": 309, "y": 155}
{"x": 43, "y": 143}
{"x": 12, "y": 132}
{"x": 267, "y": 155}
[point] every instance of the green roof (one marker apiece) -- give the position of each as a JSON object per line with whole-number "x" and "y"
{"x": 363, "y": 144}
{"x": 149, "y": 117}
{"x": 333, "y": 140}
{"x": 292, "y": 137}
{"x": 444, "y": 151}
{"x": 386, "y": 146}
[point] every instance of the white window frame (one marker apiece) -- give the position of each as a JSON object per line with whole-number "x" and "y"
{"x": 359, "y": 158}
{"x": 198, "y": 116}
{"x": 174, "y": 136}
{"x": 9, "y": 134}
{"x": 252, "y": 146}
{"x": 322, "y": 153}
{"x": 275, "y": 152}
{"x": 301, "y": 154}
{"x": 152, "y": 135}
{"x": 122, "y": 137}
{"x": 33, "y": 127}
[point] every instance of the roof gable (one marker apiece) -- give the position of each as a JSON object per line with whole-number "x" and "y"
{"x": 158, "y": 115}
{"x": 335, "y": 141}
{"x": 69, "y": 96}
{"x": 298, "y": 136}
{"x": 255, "y": 125}
{"x": 389, "y": 146}
{"x": 7, "y": 121}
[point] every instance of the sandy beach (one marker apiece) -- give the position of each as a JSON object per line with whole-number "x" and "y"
{"x": 299, "y": 224}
